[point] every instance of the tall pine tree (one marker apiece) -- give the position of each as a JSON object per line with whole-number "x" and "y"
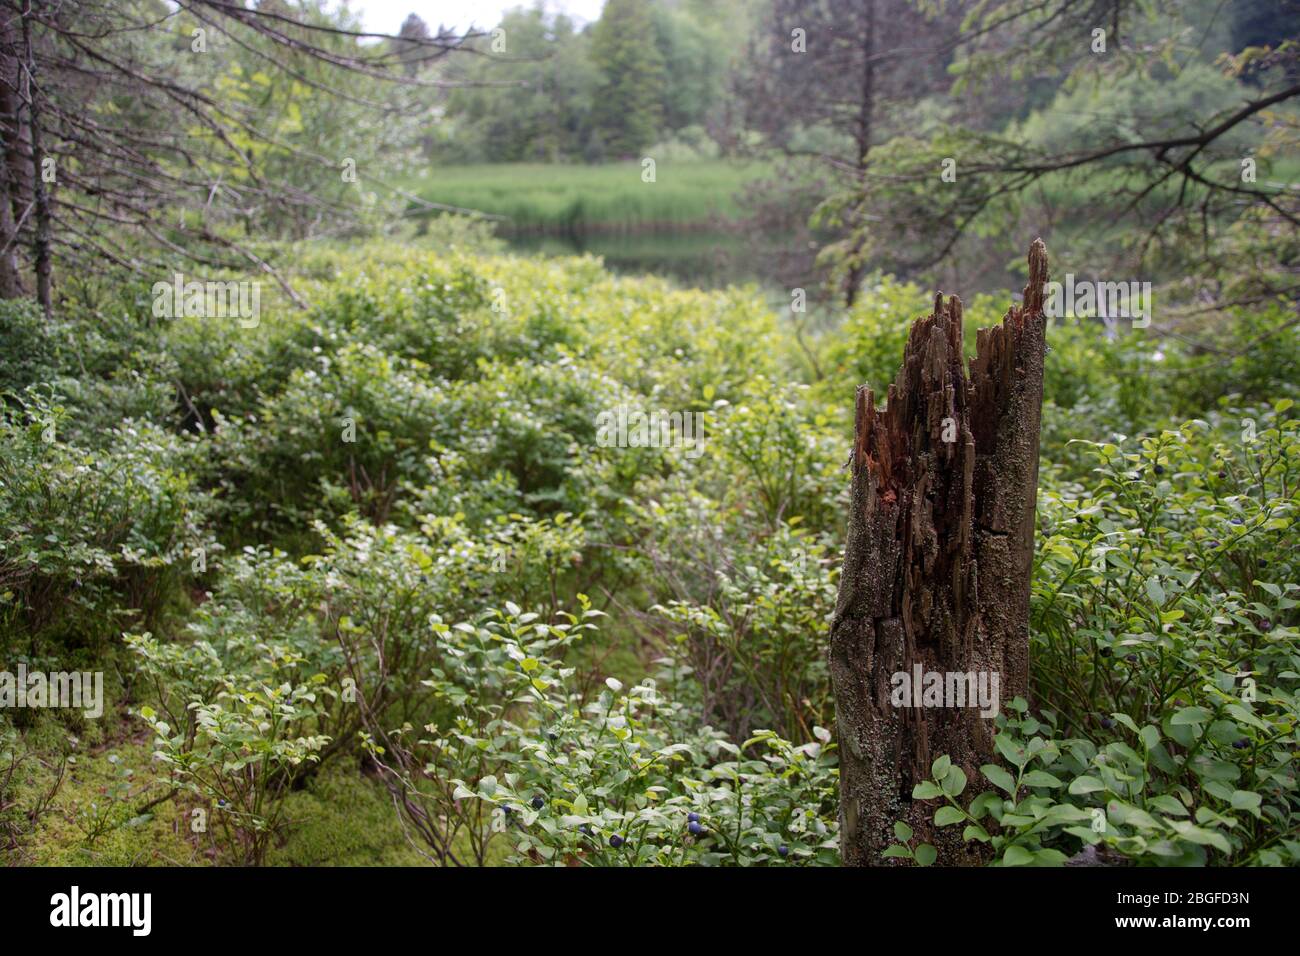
{"x": 627, "y": 109}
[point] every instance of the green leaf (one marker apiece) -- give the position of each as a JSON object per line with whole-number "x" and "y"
{"x": 975, "y": 832}
{"x": 897, "y": 851}
{"x": 902, "y": 831}
{"x": 1167, "y": 804}
{"x": 984, "y": 803}
{"x": 925, "y": 790}
{"x": 947, "y": 816}
{"x": 1017, "y": 856}
{"x": 1190, "y": 715}
{"x": 1040, "y": 778}
{"x": 1155, "y": 592}
{"x": 1204, "y": 837}
{"x": 1132, "y": 816}
{"x": 1085, "y": 784}
{"x": 939, "y": 769}
{"x": 1065, "y": 813}
{"x": 1049, "y": 857}
{"x": 1127, "y": 721}
{"x": 1245, "y": 800}
{"x": 926, "y": 854}
{"x": 1013, "y": 752}
{"x": 999, "y": 778}
{"x": 955, "y": 782}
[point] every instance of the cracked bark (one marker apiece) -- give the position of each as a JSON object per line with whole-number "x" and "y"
{"x": 936, "y": 564}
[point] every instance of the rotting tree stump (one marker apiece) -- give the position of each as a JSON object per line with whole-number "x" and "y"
{"x": 937, "y": 562}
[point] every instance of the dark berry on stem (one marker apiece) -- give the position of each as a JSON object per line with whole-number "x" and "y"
{"x": 695, "y": 828}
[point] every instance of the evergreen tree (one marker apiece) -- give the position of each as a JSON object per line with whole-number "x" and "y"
{"x": 627, "y": 108}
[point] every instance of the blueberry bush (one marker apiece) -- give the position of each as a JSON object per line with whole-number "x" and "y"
{"x": 376, "y": 547}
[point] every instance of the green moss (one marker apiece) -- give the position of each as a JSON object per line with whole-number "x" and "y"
{"x": 342, "y": 818}
{"x": 92, "y": 820}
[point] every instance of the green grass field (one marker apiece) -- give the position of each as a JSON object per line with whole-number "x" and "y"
{"x": 536, "y": 197}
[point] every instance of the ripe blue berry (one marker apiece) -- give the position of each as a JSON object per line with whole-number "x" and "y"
{"x": 538, "y": 803}
{"x": 695, "y": 828}
{"x": 692, "y": 818}
{"x": 1241, "y": 744}
{"x": 783, "y": 850}
{"x": 1160, "y": 469}
{"x": 616, "y": 841}
{"x": 1107, "y": 723}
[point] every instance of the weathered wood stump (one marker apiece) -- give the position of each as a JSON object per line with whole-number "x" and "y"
{"x": 936, "y": 566}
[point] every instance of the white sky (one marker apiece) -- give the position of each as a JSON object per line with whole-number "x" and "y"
{"x": 386, "y": 16}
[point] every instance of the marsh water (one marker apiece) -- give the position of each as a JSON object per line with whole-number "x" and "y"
{"x": 705, "y": 259}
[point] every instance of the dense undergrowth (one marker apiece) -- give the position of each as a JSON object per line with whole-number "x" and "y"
{"x": 374, "y": 555}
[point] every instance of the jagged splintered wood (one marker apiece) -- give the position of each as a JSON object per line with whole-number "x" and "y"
{"x": 936, "y": 565}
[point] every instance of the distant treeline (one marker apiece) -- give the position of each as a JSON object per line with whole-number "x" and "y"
{"x": 647, "y": 73}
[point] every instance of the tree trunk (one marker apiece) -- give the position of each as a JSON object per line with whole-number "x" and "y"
{"x": 15, "y": 166}
{"x": 41, "y": 251}
{"x": 866, "y": 110}
{"x": 936, "y": 566}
